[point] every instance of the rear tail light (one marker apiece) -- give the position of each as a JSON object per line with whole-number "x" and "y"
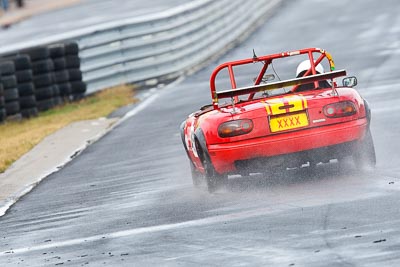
{"x": 340, "y": 109}
{"x": 235, "y": 128}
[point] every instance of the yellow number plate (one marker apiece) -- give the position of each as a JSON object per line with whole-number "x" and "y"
{"x": 288, "y": 122}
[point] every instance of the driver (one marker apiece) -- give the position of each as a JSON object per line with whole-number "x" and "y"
{"x": 302, "y": 68}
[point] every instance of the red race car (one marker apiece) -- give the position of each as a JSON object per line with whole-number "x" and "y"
{"x": 295, "y": 122}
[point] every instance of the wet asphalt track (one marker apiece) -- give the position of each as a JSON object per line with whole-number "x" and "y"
{"x": 128, "y": 200}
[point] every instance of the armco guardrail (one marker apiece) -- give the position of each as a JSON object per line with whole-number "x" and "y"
{"x": 161, "y": 45}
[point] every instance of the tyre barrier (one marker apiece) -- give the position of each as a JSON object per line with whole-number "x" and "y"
{"x": 2, "y": 103}
{"x": 59, "y": 75}
{"x": 26, "y": 89}
{"x": 73, "y": 64}
{"x": 40, "y": 78}
{"x": 10, "y": 90}
{"x": 42, "y": 69}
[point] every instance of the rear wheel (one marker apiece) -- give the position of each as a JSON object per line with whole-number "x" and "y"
{"x": 364, "y": 156}
{"x": 213, "y": 179}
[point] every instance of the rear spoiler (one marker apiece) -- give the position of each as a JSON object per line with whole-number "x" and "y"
{"x": 276, "y": 85}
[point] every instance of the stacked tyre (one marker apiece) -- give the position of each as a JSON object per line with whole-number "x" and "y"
{"x": 39, "y": 78}
{"x": 73, "y": 63}
{"x": 10, "y": 90}
{"x": 61, "y": 75}
{"x": 42, "y": 68}
{"x": 2, "y": 108}
{"x": 26, "y": 88}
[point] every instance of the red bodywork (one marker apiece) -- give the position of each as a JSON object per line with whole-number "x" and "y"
{"x": 278, "y": 136}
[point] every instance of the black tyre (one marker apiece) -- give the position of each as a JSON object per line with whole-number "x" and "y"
{"x": 12, "y": 107}
{"x": 71, "y": 48}
{"x": 24, "y": 76}
{"x": 364, "y": 156}
{"x": 65, "y": 89}
{"x": 61, "y": 76}
{"x": 77, "y": 97}
{"x": 9, "y": 81}
{"x": 27, "y": 102}
{"x": 59, "y": 64}
{"x": 56, "y": 90}
{"x": 213, "y": 179}
{"x": 29, "y": 112}
{"x": 1, "y": 88}
{"x": 22, "y": 62}
{"x": 7, "y": 68}
{"x": 58, "y": 100}
{"x": 26, "y": 89}
{"x": 37, "y": 53}
{"x": 78, "y": 87}
{"x": 46, "y": 104}
{"x": 57, "y": 50}
{"x": 43, "y": 66}
{"x": 3, "y": 114}
{"x": 2, "y": 101}
{"x": 72, "y": 62}
{"x": 75, "y": 74}
{"x": 44, "y": 93}
{"x": 43, "y": 80}
{"x": 11, "y": 94}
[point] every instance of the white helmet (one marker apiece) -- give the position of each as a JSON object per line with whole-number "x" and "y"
{"x": 306, "y": 65}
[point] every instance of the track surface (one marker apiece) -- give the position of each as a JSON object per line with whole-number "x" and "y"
{"x": 128, "y": 200}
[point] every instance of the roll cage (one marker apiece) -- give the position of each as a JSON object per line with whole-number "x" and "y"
{"x": 235, "y": 92}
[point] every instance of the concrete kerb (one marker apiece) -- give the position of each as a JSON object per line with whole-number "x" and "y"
{"x": 47, "y": 157}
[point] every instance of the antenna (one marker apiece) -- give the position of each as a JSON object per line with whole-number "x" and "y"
{"x": 255, "y": 58}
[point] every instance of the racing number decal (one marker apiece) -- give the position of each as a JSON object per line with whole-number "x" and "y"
{"x": 285, "y": 104}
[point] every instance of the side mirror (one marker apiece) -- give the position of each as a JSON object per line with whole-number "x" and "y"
{"x": 349, "y": 81}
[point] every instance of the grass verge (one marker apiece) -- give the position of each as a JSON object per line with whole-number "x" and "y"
{"x": 17, "y": 138}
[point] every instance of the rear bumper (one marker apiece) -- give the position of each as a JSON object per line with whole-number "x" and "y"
{"x": 224, "y": 156}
